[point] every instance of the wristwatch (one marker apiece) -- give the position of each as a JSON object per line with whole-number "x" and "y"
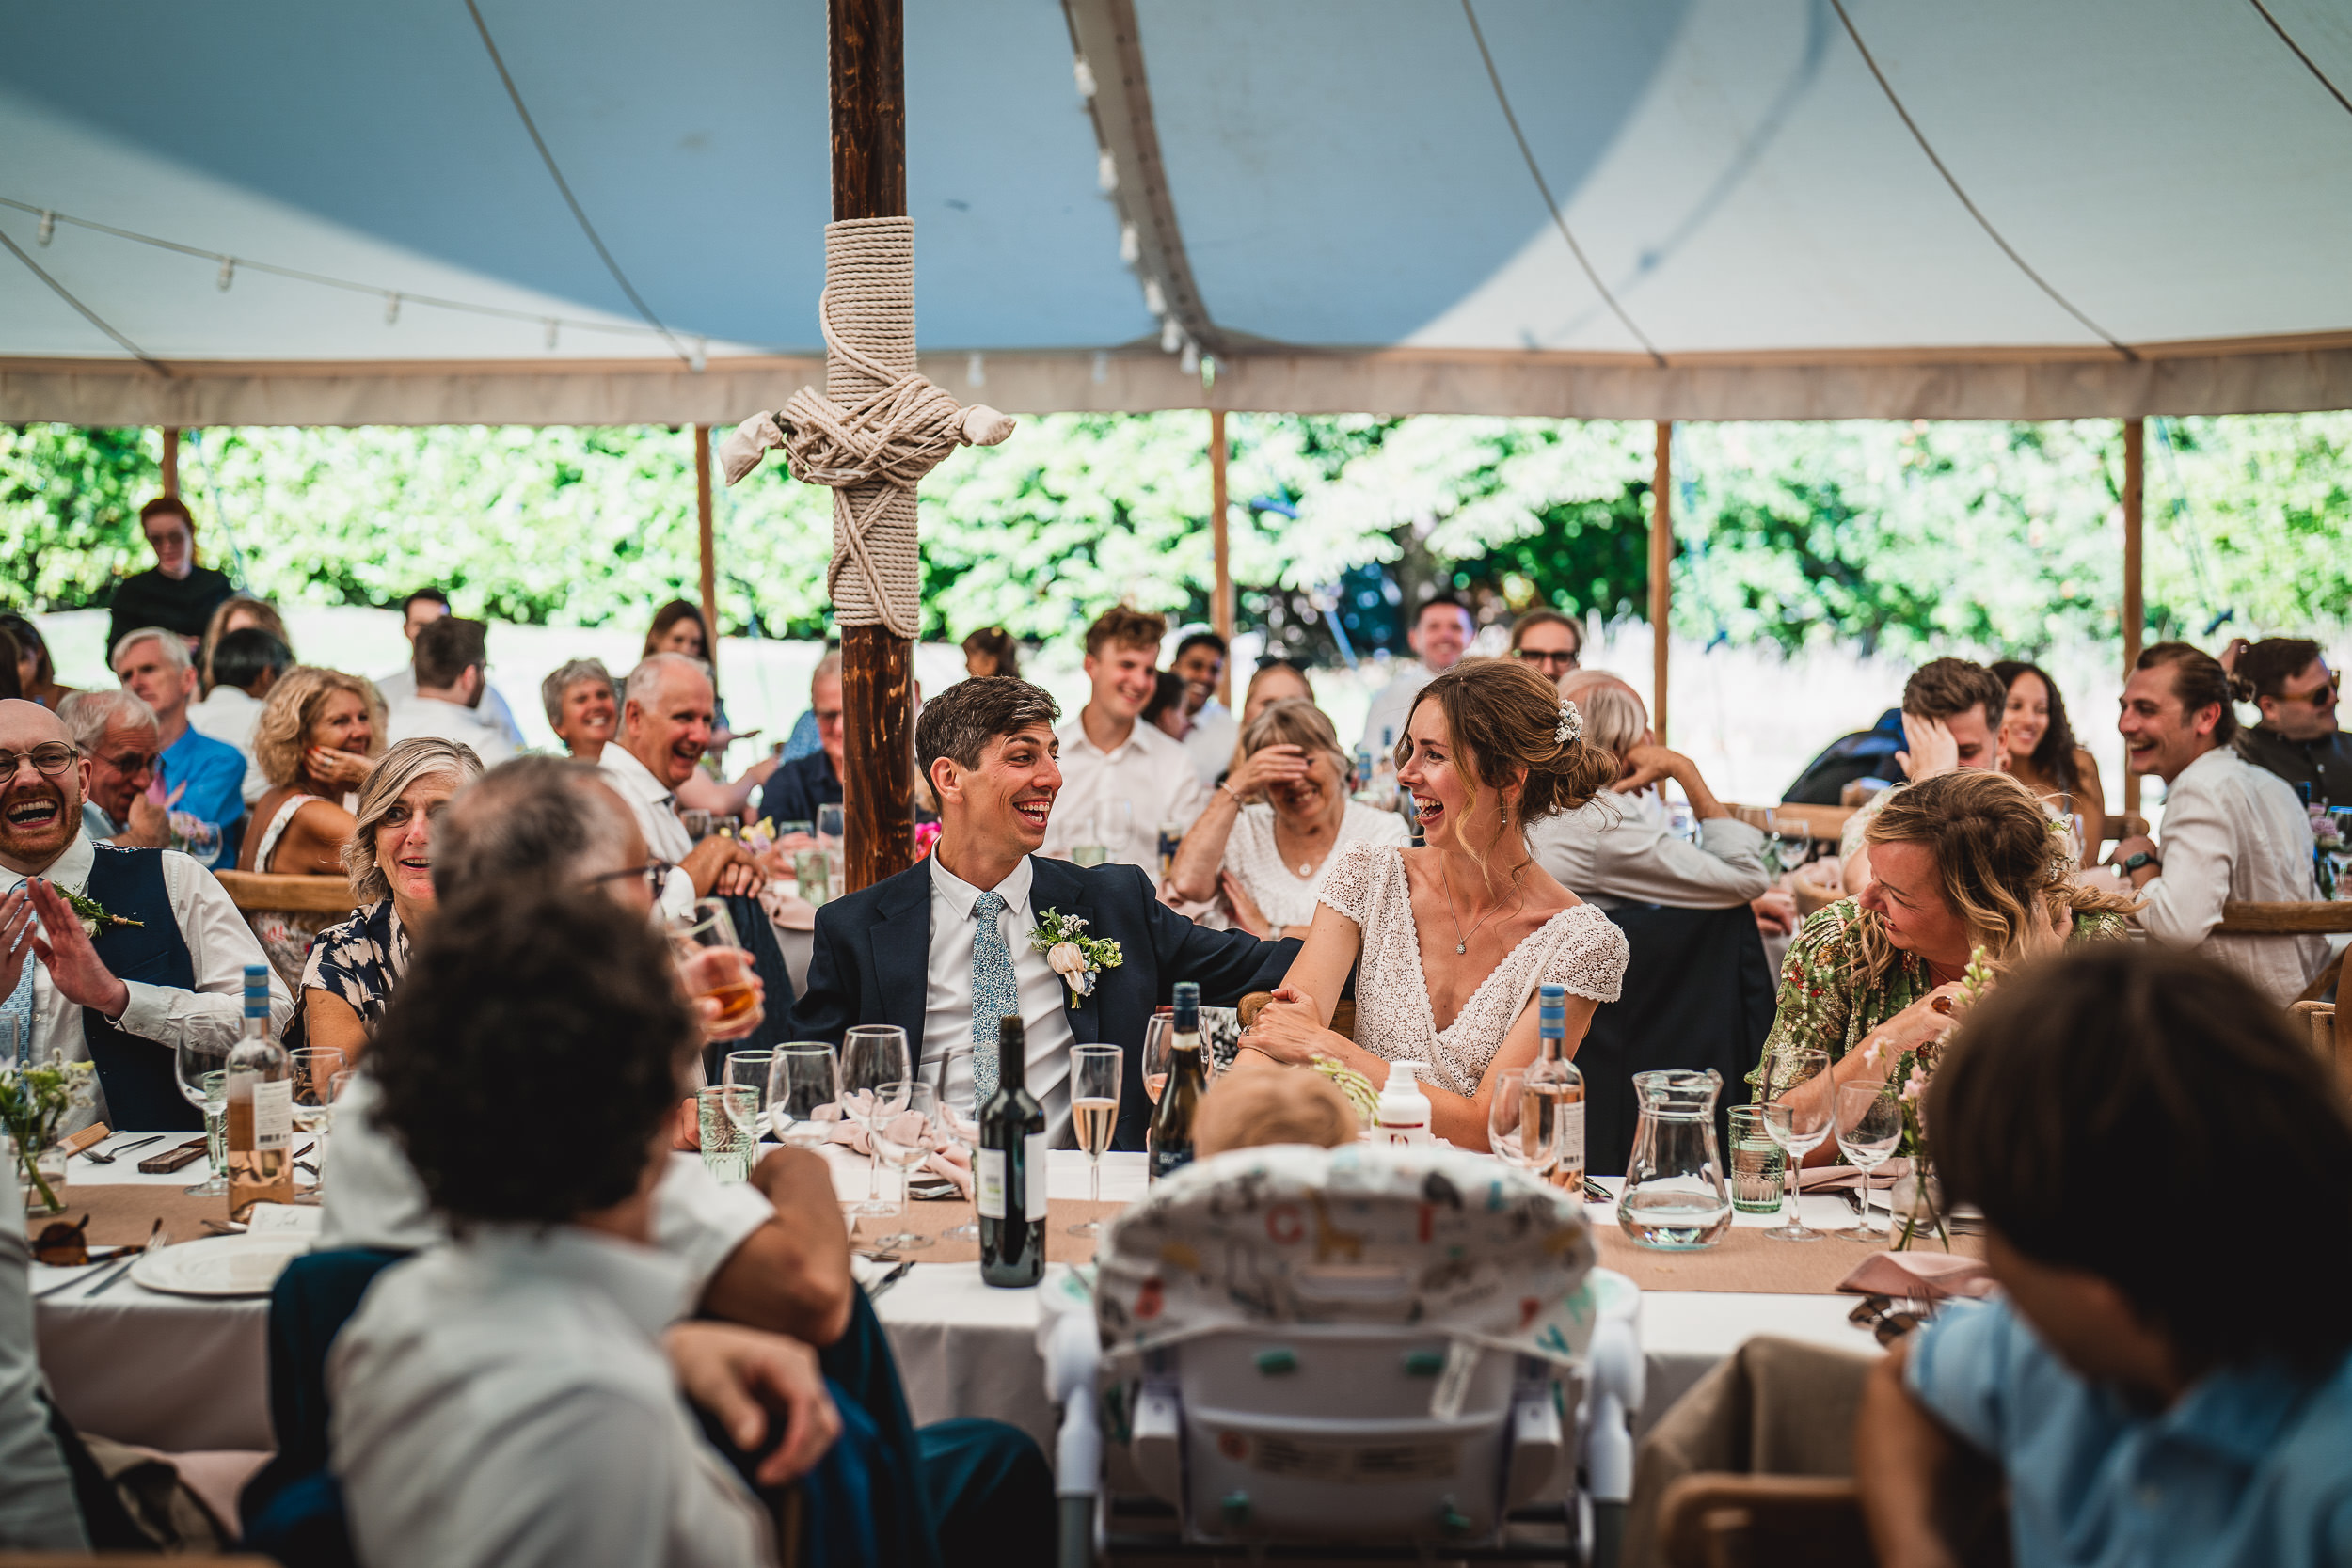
{"x": 2138, "y": 858}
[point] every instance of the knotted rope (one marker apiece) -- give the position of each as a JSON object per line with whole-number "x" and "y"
{"x": 874, "y": 431}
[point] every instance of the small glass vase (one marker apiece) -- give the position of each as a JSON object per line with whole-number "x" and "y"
{"x": 1917, "y": 1203}
{"x": 42, "y": 1179}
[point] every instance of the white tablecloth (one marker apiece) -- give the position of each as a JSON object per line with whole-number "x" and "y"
{"x": 179, "y": 1374}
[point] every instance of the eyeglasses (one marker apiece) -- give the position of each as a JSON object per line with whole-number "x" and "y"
{"x": 130, "y": 762}
{"x": 1536, "y": 656}
{"x": 655, "y": 872}
{"x": 49, "y": 761}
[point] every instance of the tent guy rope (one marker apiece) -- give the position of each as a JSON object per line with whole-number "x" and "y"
{"x": 878, "y": 428}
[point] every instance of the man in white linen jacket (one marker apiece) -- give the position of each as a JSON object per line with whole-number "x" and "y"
{"x": 2231, "y": 830}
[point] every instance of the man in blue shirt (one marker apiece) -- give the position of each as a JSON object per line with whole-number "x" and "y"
{"x": 2162, "y": 1166}
{"x": 204, "y": 777}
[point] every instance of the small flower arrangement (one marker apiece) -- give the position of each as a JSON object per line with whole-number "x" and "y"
{"x": 1071, "y": 954}
{"x": 1912, "y": 1071}
{"x": 33, "y": 1100}
{"x": 93, "y": 914}
{"x": 2327, "y": 833}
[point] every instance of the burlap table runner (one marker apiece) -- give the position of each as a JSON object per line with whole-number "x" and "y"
{"x": 1747, "y": 1260}
{"x": 930, "y": 1219}
{"x": 121, "y": 1213}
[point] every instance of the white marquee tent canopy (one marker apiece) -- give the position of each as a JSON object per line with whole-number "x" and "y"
{"x": 280, "y": 211}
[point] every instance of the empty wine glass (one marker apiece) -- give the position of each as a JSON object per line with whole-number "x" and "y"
{"x": 1870, "y": 1124}
{"x": 749, "y": 1072}
{"x": 903, "y": 1133}
{"x": 802, "y": 1077}
{"x": 201, "y": 1068}
{"x": 873, "y": 1055}
{"x": 1094, "y": 1071}
{"x": 1516, "y": 1136}
{"x": 961, "y": 1132}
{"x": 316, "y": 1071}
{"x": 1157, "y": 1031}
{"x": 1798, "y": 1126}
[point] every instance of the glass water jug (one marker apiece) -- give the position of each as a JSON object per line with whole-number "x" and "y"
{"x": 1673, "y": 1197}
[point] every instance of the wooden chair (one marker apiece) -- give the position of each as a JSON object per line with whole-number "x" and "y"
{"x": 2318, "y": 917}
{"x": 2131, "y": 825}
{"x": 1815, "y": 822}
{"x": 1342, "y": 1014}
{"x": 261, "y": 890}
{"x": 2318, "y": 1021}
{"x": 1717, "y": 1519}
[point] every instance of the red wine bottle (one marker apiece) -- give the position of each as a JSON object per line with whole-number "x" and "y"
{"x": 1009, "y": 1169}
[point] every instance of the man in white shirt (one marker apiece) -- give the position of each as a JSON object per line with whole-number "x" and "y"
{"x": 1121, "y": 779}
{"x": 668, "y": 707}
{"x": 126, "y": 997}
{"x": 452, "y": 656}
{"x": 418, "y": 611}
{"x": 246, "y": 665}
{"x": 1439, "y": 635}
{"x": 948, "y": 948}
{"x": 513, "y": 1396}
{"x": 1200, "y": 663}
{"x": 2231, "y": 830}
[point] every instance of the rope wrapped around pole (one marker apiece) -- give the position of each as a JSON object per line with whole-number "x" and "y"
{"x": 874, "y": 431}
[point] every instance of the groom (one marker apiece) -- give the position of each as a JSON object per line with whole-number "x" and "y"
{"x": 943, "y": 949}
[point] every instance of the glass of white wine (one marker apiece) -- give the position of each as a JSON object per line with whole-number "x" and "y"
{"x": 874, "y": 1061}
{"x": 316, "y": 1071}
{"x": 1157, "y": 1031}
{"x": 1094, "y": 1071}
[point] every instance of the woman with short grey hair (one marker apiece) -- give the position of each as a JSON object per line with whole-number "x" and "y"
{"x": 353, "y": 967}
{"x": 583, "y": 706}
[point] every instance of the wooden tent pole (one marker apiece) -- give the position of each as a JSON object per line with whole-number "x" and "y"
{"x": 1221, "y": 599}
{"x": 171, "y": 460}
{"x": 2135, "y": 611}
{"x": 1661, "y": 554}
{"x": 703, "y": 539}
{"x": 866, "y": 43}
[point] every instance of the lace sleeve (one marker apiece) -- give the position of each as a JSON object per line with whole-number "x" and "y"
{"x": 1352, "y": 876}
{"x": 1591, "y": 960}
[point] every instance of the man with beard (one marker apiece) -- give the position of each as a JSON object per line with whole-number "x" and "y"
{"x": 166, "y": 961}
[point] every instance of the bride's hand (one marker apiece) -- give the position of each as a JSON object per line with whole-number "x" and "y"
{"x": 1289, "y": 1028}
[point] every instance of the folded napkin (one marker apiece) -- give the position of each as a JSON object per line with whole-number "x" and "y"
{"x": 1919, "y": 1276}
{"x": 1829, "y": 1178}
{"x": 790, "y": 912}
{"x": 952, "y": 1163}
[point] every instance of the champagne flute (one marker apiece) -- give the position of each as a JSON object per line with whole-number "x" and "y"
{"x": 802, "y": 1076}
{"x": 1869, "y": 1125}
{"x": 201, "y": 1068}
{"x": 904, "y": 1136}
{"x": 1094, "y": 1072}
{"x": 316, "y": 1071}
{"x": 1157, "y": 1031}
{"x": 960, "y": 1132}
{"x": 1515, "y": 1126}
{"x": 873, "y": 1055}
{"x": 713, "y": 964}
{"x": 1799, "y": 1129}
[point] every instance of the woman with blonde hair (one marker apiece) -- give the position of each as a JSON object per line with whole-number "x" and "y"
{"x": 1454, "y": 938}
{"x": 1962, "y": 862}
{"x": 353, "y": 967}
{"x": 318, "y": 737}
{"x": 1271, "y": 827}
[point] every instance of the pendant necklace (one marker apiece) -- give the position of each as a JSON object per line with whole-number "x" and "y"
{"x": 1461, "y": 943}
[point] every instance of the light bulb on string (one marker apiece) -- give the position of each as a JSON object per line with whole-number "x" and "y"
{"x": 48, "y": 228}
{"x": 1171, "y": 336}
{"x": 1106, "y": 172}
{"x": 1084, "y": 76}
{"x": 392, "y": 310}
{"x": 1154, "y": 297}
{"x": 976, "y": 370}
{"x": 553, "y": 324}
{"x": 1130, "y": 243}
{"x": 228, "y": 273}
{"x": 1102, "y": 366}
{"x": 701, "y": 356}
{"x": 1191, "y": 361}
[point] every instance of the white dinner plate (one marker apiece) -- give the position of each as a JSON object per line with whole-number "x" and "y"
{"x": 244, "y": 1265}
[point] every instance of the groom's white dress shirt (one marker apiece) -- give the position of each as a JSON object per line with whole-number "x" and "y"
{"x": 947, "y": 997}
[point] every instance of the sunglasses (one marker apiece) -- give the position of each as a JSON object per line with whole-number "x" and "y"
{"x": 1877, "y": 1315}
{"x": 1531, "y": 656}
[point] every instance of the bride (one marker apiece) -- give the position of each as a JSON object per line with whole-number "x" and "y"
{"x": 1455, "y": 937}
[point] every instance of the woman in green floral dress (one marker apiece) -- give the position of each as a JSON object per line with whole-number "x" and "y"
{"x": 1962, "y": 861}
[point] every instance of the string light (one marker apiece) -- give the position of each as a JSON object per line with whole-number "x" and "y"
{"x": 701, "y": 355}
{"x": 1130, "y": 243}
{"x": 1154, "y": 297}
{"x": 1106, "y": 172}
{"x": 1102, "y": 366}
{"x": 976, "y": 370}
{"x": 1084, "y": 75}
{"x": 1171, "y": 336}
{"x": 392, "y": 310}
{"x": 48, "y": 228}
{"x": 1191, "y": 361}
{"x": 228, "y": 273}
{"x": 553, "y": 324}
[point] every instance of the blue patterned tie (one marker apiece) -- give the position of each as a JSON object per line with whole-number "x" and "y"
{"x": 17, "y": 1007}
{"x": 994, "y": 994}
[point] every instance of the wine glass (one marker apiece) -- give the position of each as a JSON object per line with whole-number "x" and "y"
{"x": 749, "y": 1072}
{"x": 1870, "y": 1124}
{"x": 316, "y": 1071}
{"x": 959, "y": 1132}
{"x": 1157, "y": 1031}
{"x": 873, "y": 1055}
{"x": 1094, "y": 1071}
{"x": 714, "y": 965}
{"x": 201, "y": 1068}
{"x": 802, "y": 1076}
{"x": 903, "y": 1136}
{"x": 1516, "y": 1136}
{"x": 1799, "y": 1127}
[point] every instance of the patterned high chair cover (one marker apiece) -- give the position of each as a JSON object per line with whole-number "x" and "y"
{"x": 1358, "y": 1234}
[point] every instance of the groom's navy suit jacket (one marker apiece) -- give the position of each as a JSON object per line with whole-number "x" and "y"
{"x": 871, "y": 963}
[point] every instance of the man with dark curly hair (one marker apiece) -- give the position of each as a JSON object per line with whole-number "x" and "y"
{"x": 512, "y": 1396}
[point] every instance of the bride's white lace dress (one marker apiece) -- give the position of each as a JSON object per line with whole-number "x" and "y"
{"x": 1580, "y": 948}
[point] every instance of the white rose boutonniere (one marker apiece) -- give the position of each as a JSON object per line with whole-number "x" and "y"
{"x": 93, "y": 915}
{"x": 1077, "y": 957}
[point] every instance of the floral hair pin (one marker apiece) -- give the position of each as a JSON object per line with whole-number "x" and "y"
{"x": 1571, "y": 725}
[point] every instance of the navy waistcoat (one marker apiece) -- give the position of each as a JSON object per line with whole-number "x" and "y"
{"x": 141, "y": 1082}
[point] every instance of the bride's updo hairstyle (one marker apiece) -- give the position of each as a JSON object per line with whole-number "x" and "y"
{"x": 1503, "y": 719}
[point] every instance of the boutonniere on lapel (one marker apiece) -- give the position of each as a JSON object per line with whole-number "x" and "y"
{"x": 1071, "y": 954}
{"x": 92, "y": 914}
